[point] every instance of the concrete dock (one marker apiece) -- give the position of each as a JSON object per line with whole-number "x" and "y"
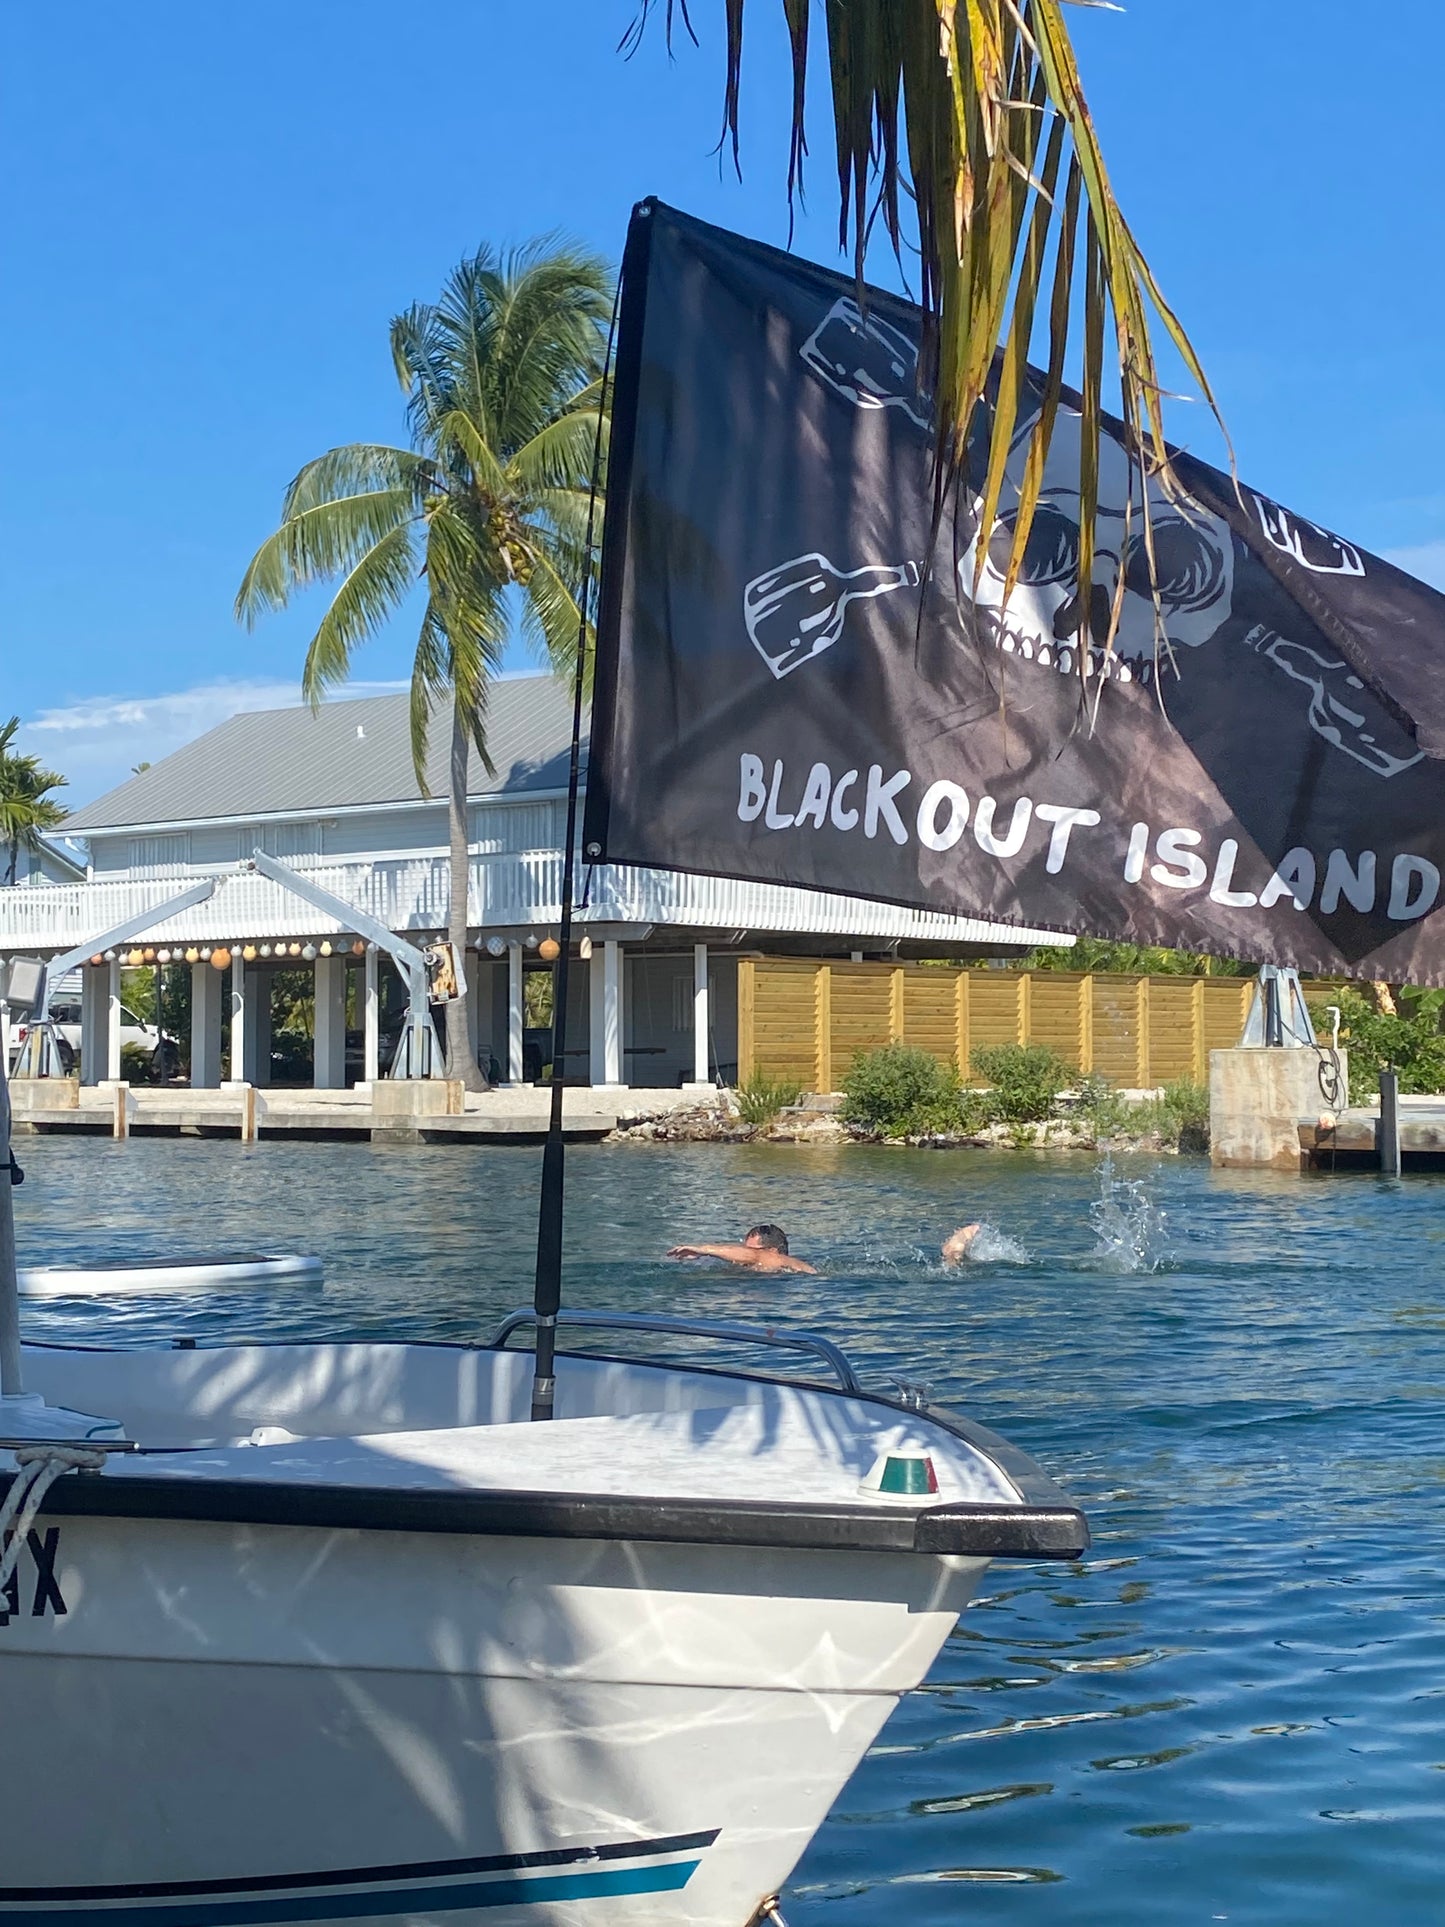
{"x": 432, "y": 1113}
{"x": 1352, "y": 1139}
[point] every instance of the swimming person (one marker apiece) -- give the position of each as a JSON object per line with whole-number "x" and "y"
{"x": 765, "y": 1248}
{"x": 957, "y": 1245}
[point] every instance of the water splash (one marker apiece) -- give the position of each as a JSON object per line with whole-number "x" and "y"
{"x": 995, "y": 1247}
{"x": 1129, "y": 1228}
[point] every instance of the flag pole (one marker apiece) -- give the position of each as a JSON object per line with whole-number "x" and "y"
{"x": 547, "y": 1291}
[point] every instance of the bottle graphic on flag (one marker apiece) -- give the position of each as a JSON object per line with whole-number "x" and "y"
{"x": 795, "y": 611}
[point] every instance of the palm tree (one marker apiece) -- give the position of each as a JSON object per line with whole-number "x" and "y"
{"x": 971, "y": 113}
{"x": 486, "y": 509}
{"x": 26, "y": 808}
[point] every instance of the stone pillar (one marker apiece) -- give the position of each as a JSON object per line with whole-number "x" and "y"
{"x": 329, "y": 1056}
{"x": 516, "y": 1015}
{"x": 239, "y": 992}
{"x": 1258, "y": 1100}
{"x": 113, "y": 1020}
{"x": 371, "y": 1015}
{"x": 94, "y": 1033}
{"x": 701, "y": 1015}
{"x": 205, "y": 1027}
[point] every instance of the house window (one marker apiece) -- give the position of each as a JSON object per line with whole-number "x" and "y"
{"x": 284, "y": 840}
{"x": 159, "y": 856}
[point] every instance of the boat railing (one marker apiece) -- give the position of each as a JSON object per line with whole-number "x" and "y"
{"x": 638, "y": 1321}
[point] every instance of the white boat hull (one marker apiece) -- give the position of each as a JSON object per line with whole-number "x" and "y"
{"x": 173, "y": 1274}
{"x": 287, "y": 1725}
{"x": 340, "y": 1636}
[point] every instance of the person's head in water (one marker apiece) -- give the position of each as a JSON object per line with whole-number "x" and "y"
{"x": 768, "y": 1237}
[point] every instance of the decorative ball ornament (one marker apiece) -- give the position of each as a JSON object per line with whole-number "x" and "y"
{"x": 148, "y": 956}
{"x": 324, "y": 948}
{"x": 221, "y": 959}
{"x": 265, "y": 949}
{"x": 308, "y": 952}
{"x": 97, "y": 960}
{"x": 358, "y": 949}
{"x": 531, "y": 940}
{"x": 110, "y": 956}
{"x": 549, "y": 949}
{"x": 248, "y": 953}
{"x": 205, "y": 953}
{"x": 163, "y": 956}
{"x": 134, "y": 957}
{"x": 293, "y": 950}
{"x": 495, "y": 947}
{"x": 584, "y": 949}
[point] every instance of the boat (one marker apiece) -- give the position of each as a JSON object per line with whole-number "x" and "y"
{"x": 334, "y": 1632}
{"x": 153, "y": 1275}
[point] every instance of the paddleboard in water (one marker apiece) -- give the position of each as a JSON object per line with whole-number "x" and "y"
{"x": 169, "y": 1274}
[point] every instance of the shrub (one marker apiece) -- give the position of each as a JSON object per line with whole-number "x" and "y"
{"x": 1182, "y": 1115}
{"x": 1026, "y": 1078}
{"x": 1101, "y": 1110}
{"x": 136, "y": 1065}
{"x": 1411, "y": 1043}
{"x": 762, "y": 1097}
{"x": 901, "y": 1092}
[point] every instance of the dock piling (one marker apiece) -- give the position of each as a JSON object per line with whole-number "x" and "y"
{"x": 1388, "y": 1129}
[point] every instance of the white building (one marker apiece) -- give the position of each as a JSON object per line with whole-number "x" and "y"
{"x": 332, "y": 794}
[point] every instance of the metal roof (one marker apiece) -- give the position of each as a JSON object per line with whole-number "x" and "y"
{"x": 346, "y": 754}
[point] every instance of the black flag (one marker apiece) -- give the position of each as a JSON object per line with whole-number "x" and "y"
{"x": 805, "y": 677}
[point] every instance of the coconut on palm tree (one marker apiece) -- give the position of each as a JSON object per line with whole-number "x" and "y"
{"x": 27, "y": 808}
{"x": 486, "y": 512}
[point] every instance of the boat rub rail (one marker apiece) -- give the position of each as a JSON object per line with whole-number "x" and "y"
{"x": 972, "y": 1530}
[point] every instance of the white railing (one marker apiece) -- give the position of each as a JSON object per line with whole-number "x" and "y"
{"x": 410, "y": 893}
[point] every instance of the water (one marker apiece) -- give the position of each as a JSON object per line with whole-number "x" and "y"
{"x": 1230, "y": 1710}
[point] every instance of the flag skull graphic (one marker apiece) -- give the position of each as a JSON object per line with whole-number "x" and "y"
{"x": 1043, "y": 620}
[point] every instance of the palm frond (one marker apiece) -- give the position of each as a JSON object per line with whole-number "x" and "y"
{"x": 561, "y": 453}
{"x": 551, "y": 619}
{"x": 357, "y": 468}
{"x": 318, "y": 543}
{"x": 429, "y": 684}
{"x": 375, "y": 586}
{"x": 982, "y": 89}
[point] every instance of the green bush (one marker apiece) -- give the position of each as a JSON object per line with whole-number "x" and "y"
{"x": 1026, "y": 1079}
{"x": 1101, "y": 1110}
{"x": 1185, "y": 1108}
{"x": 901, "y": 1092}
{"x": 1410, "y": 1043}
{"x": 762, "y": 1097}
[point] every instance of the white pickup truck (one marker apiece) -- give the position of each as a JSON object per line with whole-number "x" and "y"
{"x": 65, "y": 1016}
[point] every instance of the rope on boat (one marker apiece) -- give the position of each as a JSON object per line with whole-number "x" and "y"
{"x": 39, "y": 1467}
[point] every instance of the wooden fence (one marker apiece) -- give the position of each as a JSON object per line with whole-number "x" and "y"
{"x": 806, "y": 1020}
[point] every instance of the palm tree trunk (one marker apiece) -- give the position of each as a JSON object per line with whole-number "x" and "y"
{"x": 461, "y": 1058}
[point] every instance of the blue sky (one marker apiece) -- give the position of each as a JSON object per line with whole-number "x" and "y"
{"x": 211, "y": 213}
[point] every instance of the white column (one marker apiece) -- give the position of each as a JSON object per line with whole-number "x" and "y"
{"x": 238, "y": 1017}
{"x": 112, "y": 1028}
{"x": 701, "y": 1017}
{"x": 205, "y": 1027}
{"x": 612, "y": 1012}
{"x": 328, "y": 1063}
{"x": 515, "y": 1013}
{"x": 93, "y": 1013}
{"x": 371, "y": 1018}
